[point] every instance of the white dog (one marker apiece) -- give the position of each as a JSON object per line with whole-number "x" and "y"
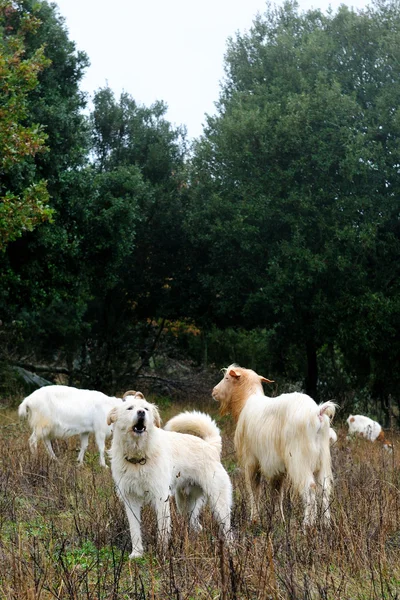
{"x": 150, "y": 464}
{"x": 59, "y": 411}
{"x": 369, "y": 429}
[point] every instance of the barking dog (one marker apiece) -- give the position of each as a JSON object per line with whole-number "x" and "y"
{"x": 150, "y": 464}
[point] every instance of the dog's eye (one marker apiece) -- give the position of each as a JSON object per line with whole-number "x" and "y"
{"x": 130, "y": 408}
{"x": 146, "y": 408}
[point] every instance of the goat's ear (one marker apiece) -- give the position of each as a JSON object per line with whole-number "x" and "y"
{"x": 112, "y": 416}
{"x": 234, "y": 373}
{"x": 266, "y": 380}
{"x": 156, "y": 417}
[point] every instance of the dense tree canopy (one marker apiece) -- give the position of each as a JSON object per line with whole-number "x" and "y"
{"x": 134, "y": 229}
{"x": 23, "y": 196}
{"x": 296, "y": 180}
{"x": 279, "y": 229}
{"x": 39, "y": 271}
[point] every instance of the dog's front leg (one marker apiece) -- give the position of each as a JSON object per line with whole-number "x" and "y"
{"x": 163, "y": 521}
{"x": 133, "y": 510}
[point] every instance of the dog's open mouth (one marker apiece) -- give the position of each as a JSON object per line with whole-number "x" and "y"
{"x": 139, "y": 427}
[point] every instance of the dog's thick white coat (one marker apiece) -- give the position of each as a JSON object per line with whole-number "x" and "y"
{"x": 369, "y": 429}
{"x": 60, "y": 411}
{"x": 287, "y": 436}
{"x": 150, "y": 464}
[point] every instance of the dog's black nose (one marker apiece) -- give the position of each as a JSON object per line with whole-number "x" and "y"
{"x": 141, "y": 413}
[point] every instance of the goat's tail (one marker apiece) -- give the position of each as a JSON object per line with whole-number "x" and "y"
{"x": 198, "y": 424}
{"x": 327, "y": 408}
{"x": 23, "y": 409}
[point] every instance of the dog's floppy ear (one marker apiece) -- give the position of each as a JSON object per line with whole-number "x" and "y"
{"x": 156, "y": 417}
{"x": 112, "y": 416}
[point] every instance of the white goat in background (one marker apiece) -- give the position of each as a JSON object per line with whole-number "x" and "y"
{"x": 59, "y": 411}
{"x": 368, "y": 429}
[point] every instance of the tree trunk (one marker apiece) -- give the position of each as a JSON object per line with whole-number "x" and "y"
{"x": 312, "y": 370}
{"x": 204, "y": 348}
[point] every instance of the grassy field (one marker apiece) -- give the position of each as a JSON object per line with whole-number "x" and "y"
{"x": 63, "y": 532}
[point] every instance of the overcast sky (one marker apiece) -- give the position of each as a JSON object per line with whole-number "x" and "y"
{"x": 171, "y": 50}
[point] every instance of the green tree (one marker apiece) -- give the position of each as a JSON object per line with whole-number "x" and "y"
{"x": 23, "y": 205}
{"x": 133, "y": 244}
{"x": 295, "y": 179}
{"x": 42, "y": 290}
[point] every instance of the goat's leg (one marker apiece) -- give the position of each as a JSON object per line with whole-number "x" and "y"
{"x": 84, "y": 444}
{"x": 301, "y": 476}
{"x": 49, "y": 448}
{"x": 252, "y": 477}
{"x": 101, "y": 443}
{"x": 310, "y": 504}
{"x": 277, "y": 485}
{"x": 33, "y": 443}
{"x": 324, "y": 481}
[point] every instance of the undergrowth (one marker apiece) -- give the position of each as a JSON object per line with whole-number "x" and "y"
{"x": 64, "y": 534}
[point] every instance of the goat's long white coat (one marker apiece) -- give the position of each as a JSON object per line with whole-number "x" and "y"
{"x": 332, "y": 436}
{"x": 287, "y": 436}
{"x": 150, "y": 465}
{"x": 59, "y": 411}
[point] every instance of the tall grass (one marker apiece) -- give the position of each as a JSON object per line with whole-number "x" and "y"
{"x": 64, "y": 534}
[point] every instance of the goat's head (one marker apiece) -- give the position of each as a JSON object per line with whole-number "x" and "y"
{"x": 235, "y": 387}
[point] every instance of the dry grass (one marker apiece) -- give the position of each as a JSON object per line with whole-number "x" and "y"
{"x": 63, "y": 533}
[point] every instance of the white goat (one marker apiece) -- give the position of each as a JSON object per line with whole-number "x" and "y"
{"x": 287, "y": 436}
{"x": 332, "y": 436}
{"x": 369, "y": 429}
{"x": 59, "y": 411}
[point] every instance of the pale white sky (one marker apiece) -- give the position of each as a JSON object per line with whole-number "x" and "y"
{"x": 171, "y": 50}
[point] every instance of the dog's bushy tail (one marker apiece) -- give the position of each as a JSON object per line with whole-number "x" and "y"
{"x": 198, "y": 424}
